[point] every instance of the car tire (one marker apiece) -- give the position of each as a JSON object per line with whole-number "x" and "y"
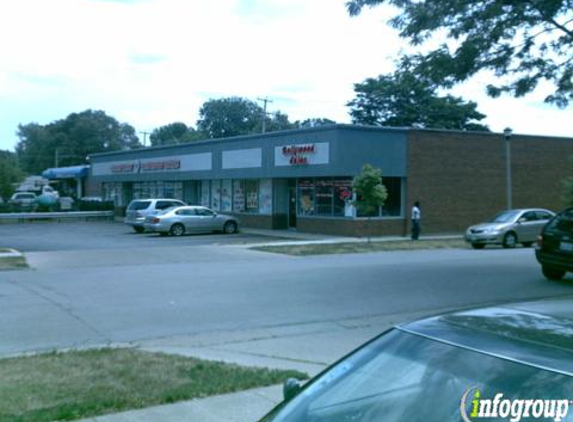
{"x": 527, "y": 244}
{"x": 138, "y": 229}
{"x": 478, "y": 245}
{"x": 552, "y": 273}
{"x": 177, "y": 229}
{"x": 509, "y": 240}
{"x": 230, "y": 227}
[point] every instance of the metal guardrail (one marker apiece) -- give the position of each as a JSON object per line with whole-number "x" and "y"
{"x": 69, "y": 215}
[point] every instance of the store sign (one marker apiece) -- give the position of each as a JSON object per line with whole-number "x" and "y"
{"x": 302, "y": 154}
{"x": 189, "y": 162}
{"x": 172, "y": 164}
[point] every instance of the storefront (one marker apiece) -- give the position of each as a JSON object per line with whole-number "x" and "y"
{"x": 303, "y": 178}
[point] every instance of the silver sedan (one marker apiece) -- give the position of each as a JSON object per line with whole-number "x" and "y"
{"x": 192, "y": 219}
{"x": 509, "y": 228}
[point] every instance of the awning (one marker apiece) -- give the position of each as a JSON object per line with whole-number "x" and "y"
{"x": 74, "y": 172}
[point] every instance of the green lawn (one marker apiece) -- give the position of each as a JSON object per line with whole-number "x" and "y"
{"x": 80, "y": 384}
{"x": 363, "y": 247}
{"x": 12, "y": 262}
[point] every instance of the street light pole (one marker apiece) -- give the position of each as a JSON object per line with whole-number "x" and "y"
{"x": 507, "y": 132}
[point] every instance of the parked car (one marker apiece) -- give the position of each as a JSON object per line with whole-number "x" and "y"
{"x": 554, "y": 249}
{"x": 138, "y": 209}
{"x": 453, "y": 367}
{"x": 190, "y": 219}
{"x": 24, "y": 199}
{"x": 508, "y": 228}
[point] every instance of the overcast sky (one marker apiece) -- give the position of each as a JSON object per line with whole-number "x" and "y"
{"x": 153, "y": 62}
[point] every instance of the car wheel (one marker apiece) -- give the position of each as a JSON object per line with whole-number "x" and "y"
{"x": 478, "y": 245}
{"x": 177, "y": 230}
{"x": 138, "y": 229}
{"x": 527, "y": 244}
{"x": 510, "y": 240}
{"x": 230, "y": 227}
{"x": 552, "y": 273}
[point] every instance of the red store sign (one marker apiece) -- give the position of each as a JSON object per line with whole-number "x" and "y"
{"x": 298, "y": 153}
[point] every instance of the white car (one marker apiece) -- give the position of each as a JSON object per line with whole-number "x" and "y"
{"x": 138, "y": 209}
{"x": 192, "y": 219}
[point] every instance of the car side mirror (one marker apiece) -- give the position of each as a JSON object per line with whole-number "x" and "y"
{"x": 291, "y": 388}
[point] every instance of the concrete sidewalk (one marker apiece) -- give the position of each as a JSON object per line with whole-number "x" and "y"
{"x": 305, "y": 347}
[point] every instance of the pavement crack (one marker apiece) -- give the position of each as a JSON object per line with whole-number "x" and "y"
{"x": 67, "y": 310}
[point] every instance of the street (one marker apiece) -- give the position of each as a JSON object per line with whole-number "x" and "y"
{"x": 98, "y": 297}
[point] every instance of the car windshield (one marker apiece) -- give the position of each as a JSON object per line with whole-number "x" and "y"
{"x": 405, "y": 377}
{"x": 504, "y": 217}
{"x": 564, "y": 221}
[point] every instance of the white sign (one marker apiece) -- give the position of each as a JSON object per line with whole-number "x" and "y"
{"x": 190, "y": 162}
{"x": 302, "y": 154}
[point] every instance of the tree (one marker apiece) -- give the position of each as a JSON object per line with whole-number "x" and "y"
{"x": 525, "y": 41}
{"x": 10, "y": 173}
{"x": 174, "y": 133}
{"x": 67, "y": 142}
{"x": 231, "y": 116}
{"x": 314, "y": 122}
{"x": 278, "y": 121}
{"x": 404, "y": 99}
{"x": 370, "y": 192}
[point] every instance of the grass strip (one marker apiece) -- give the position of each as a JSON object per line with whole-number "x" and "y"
{"x": 12, "y": 263}
{"x": 362, "y": 247}
{"x": 64, "y": 386}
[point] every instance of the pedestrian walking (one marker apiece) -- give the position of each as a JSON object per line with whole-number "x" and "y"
{"x": 416, "y": 220}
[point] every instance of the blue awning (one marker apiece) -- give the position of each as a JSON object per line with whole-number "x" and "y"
{"x": 74, "y": 172}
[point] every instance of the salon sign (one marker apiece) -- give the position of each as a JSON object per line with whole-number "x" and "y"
{"x": 302, "y": 154}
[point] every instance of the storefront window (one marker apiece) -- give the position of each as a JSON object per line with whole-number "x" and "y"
{"x": 113, "y": 192}
{"x": 252, "y": 195}
{"x": 323, "y": 193}
{"x": 226, "y": 195}
{"x": 342, "y": 197}
{"x": 239, "y": 195}
{"x": 144, "y": 190}
{"x": 216, "y": 195}
{"x": 306, "y": 197}
{"x": 392, "y": 206}
{"x": 205, "y": 193}
{"x": 266, "y": 196}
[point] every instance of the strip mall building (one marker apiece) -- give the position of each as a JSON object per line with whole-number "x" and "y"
{"x": 303, "y": 178}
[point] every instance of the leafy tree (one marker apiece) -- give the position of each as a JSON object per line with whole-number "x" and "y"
{"x": 231, "y": 116}
{"x": 526, "y": 41}
{"x": 314, "y": 122}
{"x": 68, "y": 141}
{"x": 10, "y": 173}
{"x": 370, "y": 192}
{"x": 174, "y": 133}
{"x": 404, "y": 99}
{"x": 278, "y": 121}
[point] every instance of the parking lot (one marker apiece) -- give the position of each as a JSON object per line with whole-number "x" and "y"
{"x": 66, "y": 236}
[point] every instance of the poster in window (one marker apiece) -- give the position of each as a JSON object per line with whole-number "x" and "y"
{"x": 238, "y": 196}
{"x": 216, "y": 195}
{"x": 226, "y": 190}
{"x": 252, "y": 195}
{"x": 266, "y": 196}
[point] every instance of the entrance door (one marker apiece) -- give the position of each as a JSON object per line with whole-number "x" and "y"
{"x": 292, "y": 206}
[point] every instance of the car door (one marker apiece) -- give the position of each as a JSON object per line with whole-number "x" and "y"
{"x": 528, "y": 227}
{"x": 189, "y": 218}
{"x": 209, "y": 222}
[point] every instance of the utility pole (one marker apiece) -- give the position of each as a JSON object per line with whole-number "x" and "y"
{"x": 265, "y": 101}
{"x": 144, "y": 137}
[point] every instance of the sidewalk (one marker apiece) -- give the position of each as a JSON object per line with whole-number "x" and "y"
{"x": 305, "y": 347}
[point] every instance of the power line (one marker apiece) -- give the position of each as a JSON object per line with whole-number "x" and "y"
{"x": 265, "y": 101}
{"x": 144, "y": 136}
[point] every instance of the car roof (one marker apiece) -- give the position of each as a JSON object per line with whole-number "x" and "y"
{"x": 538, "y": 333}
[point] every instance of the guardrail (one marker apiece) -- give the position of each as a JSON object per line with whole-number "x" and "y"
{"x": 24, "y": 217}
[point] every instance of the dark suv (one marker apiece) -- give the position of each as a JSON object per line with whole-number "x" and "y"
{"x": 554, "y": 249}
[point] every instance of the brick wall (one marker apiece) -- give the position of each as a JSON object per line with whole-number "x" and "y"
{"x": 349, "y": 227}
{"x": 460, "y": 177}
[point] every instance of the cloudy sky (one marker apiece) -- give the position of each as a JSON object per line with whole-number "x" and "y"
{"x": 153, "y": 62}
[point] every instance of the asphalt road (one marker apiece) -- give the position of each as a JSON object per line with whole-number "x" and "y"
{"x": 105, "y": 296}
{"x": 68, "y": 236}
